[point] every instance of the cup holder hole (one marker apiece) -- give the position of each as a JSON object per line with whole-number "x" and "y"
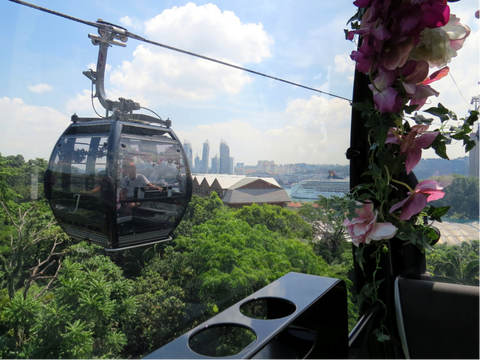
{"x": 222, "y": 340}
{"x": 268, "y": 308}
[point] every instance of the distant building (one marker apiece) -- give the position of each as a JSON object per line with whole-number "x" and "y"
{"x": 187, "y": 146}
{"x": 205, "y": 155}
{"x": 238, "y": 191}
{"x": 215, "y": 164}
{"x": 267, "y": 167}
{"x": 473, "y": 155}
{"x": 240, "y": 169}
{"x": 198, "y": 164}
{"x": 224, "y": 167}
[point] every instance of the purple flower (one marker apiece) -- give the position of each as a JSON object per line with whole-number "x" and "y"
{"x": 424, "y": 192}
{"x": 412, "y": 144}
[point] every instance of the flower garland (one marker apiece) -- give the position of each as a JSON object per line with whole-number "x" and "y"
{"x": 400, "y": 40}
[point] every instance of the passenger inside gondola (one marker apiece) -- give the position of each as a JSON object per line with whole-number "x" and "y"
{"x": 133, "y": 186}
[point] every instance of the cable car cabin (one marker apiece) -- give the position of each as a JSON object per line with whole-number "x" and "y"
{"x": 118, "y": 183}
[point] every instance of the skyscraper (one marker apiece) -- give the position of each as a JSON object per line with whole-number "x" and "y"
{"x": 198, "y": 164}
{"x": 206, "y": 152}
{"x": 214, "y": 169}
{"x": 187, "y": 146}
{"x": 473, "y": 155}
{"x": 224, "y": 158}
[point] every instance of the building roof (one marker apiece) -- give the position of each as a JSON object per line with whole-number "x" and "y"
{"x": 232, "y": 181}
{"x": 455, "y": 233}
{"x": 300, "y": 204}
{"x": 259, "y": 196}
{"x": 249, "y": 180}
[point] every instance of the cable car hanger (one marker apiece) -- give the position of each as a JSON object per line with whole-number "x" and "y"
{"x": 127, "y": 34}
{"x": 92, "y": 183}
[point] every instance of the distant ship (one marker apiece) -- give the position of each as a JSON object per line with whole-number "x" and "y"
{"x": 334, "y": 185}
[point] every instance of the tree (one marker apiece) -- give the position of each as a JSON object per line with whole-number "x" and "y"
{"x": 82, "y": 317}
{"x": 461, "y": 194}
{"x": 34, "y": 230}
{"x": 329, "y": 235}
{"x": 275, "y": 219}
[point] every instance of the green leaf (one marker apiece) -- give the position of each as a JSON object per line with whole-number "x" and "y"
{"x": 359, "y": 256}
{"x": 381, "y": 336}
{"x": 440, "y": 146}
{"x": 420, "y": 119}
{"x": 437, "y": 111}
{"x": 363, "y": 107}
{"x": 436, "y": 214}
{"x": 410, "y": 109}
{"x": 470, "y": 145}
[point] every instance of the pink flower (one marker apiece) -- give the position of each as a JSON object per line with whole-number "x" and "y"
{"x": 412, "y": 144}
{"x": 456, "y": 32}
{"x": 424, "y": 192}
{"x": 365, "y": 228}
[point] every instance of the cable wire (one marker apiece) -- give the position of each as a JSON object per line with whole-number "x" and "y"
{"x": 139, "y": 38}
{"x": 450, "y": 72}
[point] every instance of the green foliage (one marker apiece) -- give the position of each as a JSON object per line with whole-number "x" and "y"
{"x": 17, "y": 176}
{"x": 330, "y": 236}
{"x": 81, "y": 304}
{"x": 457, "y": 264}
{"x": 275, "y": 219}
{"x": 83, "y": 318}
{"x": 461, "y": 194}
{"x": 200, "y": 210}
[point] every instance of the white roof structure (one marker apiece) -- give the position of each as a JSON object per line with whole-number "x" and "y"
{"x": 232, "y": 181}
{"x": 456, "y": 233}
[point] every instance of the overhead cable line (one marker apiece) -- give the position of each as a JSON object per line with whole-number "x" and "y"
{"x": 450, "y": 72}
{"x": 139, "y": 38}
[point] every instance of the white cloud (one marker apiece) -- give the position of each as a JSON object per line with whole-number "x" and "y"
{"x": 205, "y": 29}
{"x": 82, "y": 104}
{"x": 156, "y": 73}
{"x": 36, "y": 129}
{"x": 130, "y": 24}
{"x": 343, "y": 64}
{"x": 126, "y": 20}
{"x": 318, "y": 131}
{"x": 40, "y": 88}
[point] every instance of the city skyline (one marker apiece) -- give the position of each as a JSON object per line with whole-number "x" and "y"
{"x": 303, "y": 42}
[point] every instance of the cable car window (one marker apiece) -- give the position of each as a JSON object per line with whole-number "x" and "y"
{"x": 137, "y": 130}
{"x": 88, "y": 130}
{"x": 78, "y": 168}
{"x": 151, "y": 187}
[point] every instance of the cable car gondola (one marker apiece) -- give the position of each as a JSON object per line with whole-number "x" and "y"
{"x": 122, "y": 180}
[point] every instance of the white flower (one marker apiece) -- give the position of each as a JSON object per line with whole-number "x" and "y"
{"x": 438, "y": 46}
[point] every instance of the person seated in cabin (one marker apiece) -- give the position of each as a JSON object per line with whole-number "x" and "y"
{"x": 133, "y": 186}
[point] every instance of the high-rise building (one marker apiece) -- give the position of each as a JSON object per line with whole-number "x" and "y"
{"x": 187, "y": 146}
{"x": 206, "y": 153}
{"x": 198, "y": 164}
{"x": 215, "y": 163}
{"x": 224, "y": 167}
{"x": 232, "y": 167}
{"x": 473, "y": 155}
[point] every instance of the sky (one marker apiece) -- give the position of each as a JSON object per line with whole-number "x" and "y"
{"x": 43, "y": 57}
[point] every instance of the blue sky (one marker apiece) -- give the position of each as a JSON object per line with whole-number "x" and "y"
{"x": 43, "y": 57}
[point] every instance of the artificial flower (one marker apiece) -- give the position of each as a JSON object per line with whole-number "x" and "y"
{"x": 412, "y": 144}
{"x": 365, "y": 228}
{"x": 424, "y": 192}
{"x": 439, "y": 45}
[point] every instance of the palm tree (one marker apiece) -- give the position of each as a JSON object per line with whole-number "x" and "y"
{"x": 458, "y": 270}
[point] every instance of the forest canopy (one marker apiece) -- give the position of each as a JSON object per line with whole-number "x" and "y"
{"x": 61, "y": 298}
